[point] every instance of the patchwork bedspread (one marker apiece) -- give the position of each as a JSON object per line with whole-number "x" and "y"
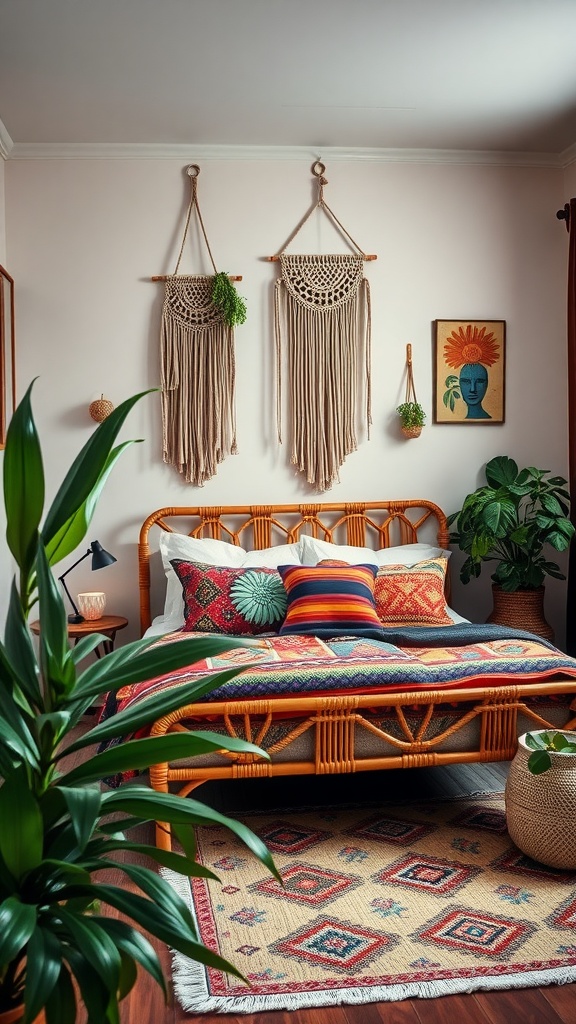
{"x": 403, "y": 660}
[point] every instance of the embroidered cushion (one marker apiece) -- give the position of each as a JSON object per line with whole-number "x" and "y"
{"x": 324, "y": 597}
{"x": 412, "y": 595}
{"x": 239, "y": 602}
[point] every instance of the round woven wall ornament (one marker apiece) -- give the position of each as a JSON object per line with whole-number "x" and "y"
{"x": 100, "y": 409}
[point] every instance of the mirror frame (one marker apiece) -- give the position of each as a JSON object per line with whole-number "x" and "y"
{"x": 7, "y": 353}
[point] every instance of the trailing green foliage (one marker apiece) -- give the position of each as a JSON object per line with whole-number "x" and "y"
{"x": 411, "y": 414}
{"x": 59, "y": 828}
{"x": 541, "y": 743}
{"x": 510, "y": 520}
{"x": 225, "y": 296}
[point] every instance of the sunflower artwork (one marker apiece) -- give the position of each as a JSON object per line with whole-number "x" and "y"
{"x": 469, "y": 371}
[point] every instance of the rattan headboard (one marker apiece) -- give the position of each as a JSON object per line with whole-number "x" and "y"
{"x": 375, "y": 524}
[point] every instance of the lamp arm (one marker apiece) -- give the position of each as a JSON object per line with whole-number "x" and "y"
{"x": 61, "y": 580}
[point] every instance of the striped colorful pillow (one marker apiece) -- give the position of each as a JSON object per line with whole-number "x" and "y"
{"x": 322, "y": 597}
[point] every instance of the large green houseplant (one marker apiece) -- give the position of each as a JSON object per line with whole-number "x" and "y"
{"x": 59, "y": 830}
{"x": 511, "y": 520}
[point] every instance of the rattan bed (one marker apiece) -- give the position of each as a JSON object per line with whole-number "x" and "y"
{"x": 349, "y": 732}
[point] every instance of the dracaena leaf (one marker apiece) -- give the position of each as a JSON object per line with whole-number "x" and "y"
{"x": 85, "y": 471}
{"x": 23, "y": 484}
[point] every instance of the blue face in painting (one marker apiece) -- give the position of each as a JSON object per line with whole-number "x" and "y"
{"x": 473, "y": 385}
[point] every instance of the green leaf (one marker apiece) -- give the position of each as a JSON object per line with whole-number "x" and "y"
{"x": 85, "y": 473}
{"x": 130, "y": 664}
{"x": 21, "y": 843}
{"x": 148, "y": 711}
{"x": 135, "y": 945}
{"x": 23, "y": 484}
{"x": 73, "y": 531}
{"x": 84, "y": 809}
{"x": 138, "y": 800}
{"x": 17, "y": 923}
{"x": 61, "y": 1004}
{"x": 96, "y": 945}
{"x": 539, "y": 762}
{"x": 141, "y": 753}
{"x": 159, "y": 923}
{"x": 19, "y": 651}
{"x": 168, "y": 859}
{"x": 43, "y": 961}
{"x": 501, "y": 471}
{"x": 56, "y": 663}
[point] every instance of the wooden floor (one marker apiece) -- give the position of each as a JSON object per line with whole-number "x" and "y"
{"x": 554, "y": 1004}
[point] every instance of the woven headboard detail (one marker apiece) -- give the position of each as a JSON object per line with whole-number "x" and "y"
{"x": 374, "y": 524}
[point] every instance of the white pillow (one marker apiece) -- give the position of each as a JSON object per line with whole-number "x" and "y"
{"x": 313, "y": 551}
{"x": 212, "y": 552}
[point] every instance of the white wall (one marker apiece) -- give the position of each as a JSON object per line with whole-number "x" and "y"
{"x": 461, "y": 240}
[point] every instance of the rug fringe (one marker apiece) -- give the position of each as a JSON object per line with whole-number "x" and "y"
{"x": 191, "y": 988}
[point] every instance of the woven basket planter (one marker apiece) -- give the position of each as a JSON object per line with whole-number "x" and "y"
{"x": 411, "y": 431}
{"x": 522, "y": 609}
{"x": 541, "y": 809}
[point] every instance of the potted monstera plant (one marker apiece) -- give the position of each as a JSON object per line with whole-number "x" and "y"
{"x": 59, "y": 830}
{"x": 511, "y": 520}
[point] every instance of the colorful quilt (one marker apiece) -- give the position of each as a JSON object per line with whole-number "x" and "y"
{"x": 411, "y": 659}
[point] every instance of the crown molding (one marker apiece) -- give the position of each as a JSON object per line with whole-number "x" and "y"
{"x": 6, "y": 144}
{"x": 568, "y": 157}
{"x": 187, "y": 152}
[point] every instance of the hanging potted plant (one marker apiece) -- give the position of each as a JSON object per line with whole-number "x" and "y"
{"x": 511, "y": 520}
{"x": 412, "y": 417}
{"x": 59, "y": 830}
{"x": 411, "y": 413}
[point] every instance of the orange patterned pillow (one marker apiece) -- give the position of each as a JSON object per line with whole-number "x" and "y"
{"x": 412, "y": 595}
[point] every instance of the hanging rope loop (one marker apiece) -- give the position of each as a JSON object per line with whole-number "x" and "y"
{"x": 410, "y": 388}
{"x": 193, "y": 171}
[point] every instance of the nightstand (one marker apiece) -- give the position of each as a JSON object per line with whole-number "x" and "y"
{"x": 108, "y": 625}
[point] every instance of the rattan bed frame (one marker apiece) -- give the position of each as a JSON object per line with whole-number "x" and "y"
{"x": 492, "y": 717}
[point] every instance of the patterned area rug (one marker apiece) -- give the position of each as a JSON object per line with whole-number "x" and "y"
{"x": 403, "y": 901}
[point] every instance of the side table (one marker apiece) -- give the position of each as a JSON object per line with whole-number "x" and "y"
{"x": 108, "y": 625}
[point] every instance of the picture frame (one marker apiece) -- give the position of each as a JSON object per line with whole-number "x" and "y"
{"x": 469, "y": 371}
{"x": 7, "y": 353}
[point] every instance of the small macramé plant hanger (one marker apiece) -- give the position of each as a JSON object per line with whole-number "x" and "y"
{"x": 322, "y": 315}
{"x": 198, "y": 371}
{"x": 411, "y": 413}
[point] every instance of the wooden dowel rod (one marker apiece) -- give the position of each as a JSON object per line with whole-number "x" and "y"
{"x": 168, "y": 277}
{"x": 274, "y": 259}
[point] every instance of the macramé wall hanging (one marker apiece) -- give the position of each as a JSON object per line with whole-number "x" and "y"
{"x": 198, "y": 373}
{"x": 322, "y": 317}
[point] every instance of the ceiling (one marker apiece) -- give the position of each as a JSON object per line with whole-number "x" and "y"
{"x": 418, "y": 74}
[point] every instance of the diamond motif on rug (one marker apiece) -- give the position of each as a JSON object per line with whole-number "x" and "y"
{"x": 400, "y": 831}
{"x": 427, "y": 874}
{"x": 286, "y": 837}
{"x": 513, "y": 860}
{"x": 307, "y": 883}
{"x": 564, "y": 916}
{"x": 338, "y": 945}
{"x": 483, "y": 818}
{"x": 471, "y": 931}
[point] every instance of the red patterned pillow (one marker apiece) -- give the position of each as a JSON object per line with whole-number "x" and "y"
{"x": 239, "y": 602}
{"x": 412, "y": 595}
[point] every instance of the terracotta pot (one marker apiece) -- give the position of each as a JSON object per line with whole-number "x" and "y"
{"x": 540, "y": 809}
{"x": 522, "y": 609}
{"x": 16, "y": 1013}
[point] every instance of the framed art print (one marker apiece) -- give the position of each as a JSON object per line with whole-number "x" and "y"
{"x": 469, "y": 360}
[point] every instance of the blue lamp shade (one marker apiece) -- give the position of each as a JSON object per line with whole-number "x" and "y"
{"x": 100, "y": 559}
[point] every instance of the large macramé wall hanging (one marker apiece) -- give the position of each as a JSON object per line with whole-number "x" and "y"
{"x": 322, "y": 319}
{"x": 197, "y": 362}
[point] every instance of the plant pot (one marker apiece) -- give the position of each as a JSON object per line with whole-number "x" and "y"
{"x": 411, "y": 431}
{"x": 540, "y": 809}
{"x": 522, "y": 609}
{"x": 16, "y": 1014}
